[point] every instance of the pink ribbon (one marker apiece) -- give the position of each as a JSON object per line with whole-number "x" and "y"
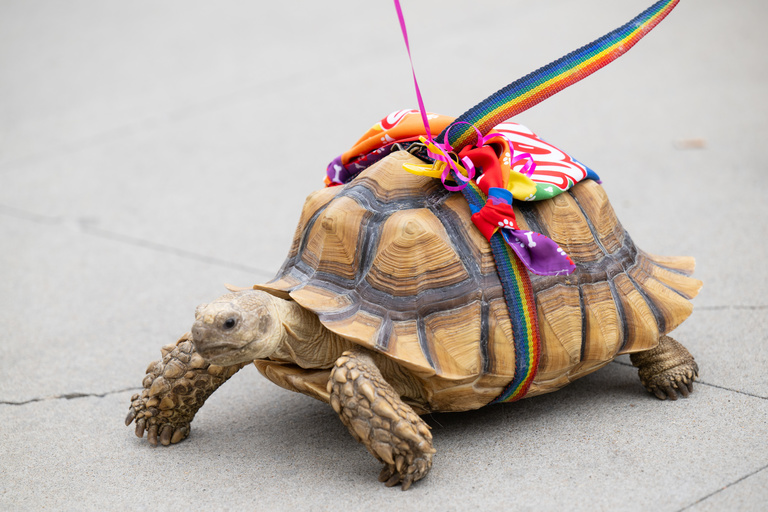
{"x": 422, "y": 110}
{"x": 445, "y": 148}
{"x": 529, "y": 166}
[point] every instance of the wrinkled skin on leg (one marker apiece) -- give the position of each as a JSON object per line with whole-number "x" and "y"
{"x": 377, "y": 417}
{"x": 174, "y": 389}
{"x": 667, "y": 370}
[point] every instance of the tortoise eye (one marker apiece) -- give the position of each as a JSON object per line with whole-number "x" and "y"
{"x": 229, "y": 323}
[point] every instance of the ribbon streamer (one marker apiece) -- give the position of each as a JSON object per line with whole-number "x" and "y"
{"x": 440, "y": 152}
{"x": 422, "y": 110}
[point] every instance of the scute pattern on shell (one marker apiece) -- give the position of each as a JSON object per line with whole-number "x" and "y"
{"x": 393, "y": 262}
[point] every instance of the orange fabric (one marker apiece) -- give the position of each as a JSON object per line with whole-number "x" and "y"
{"x": 397, "y": 126}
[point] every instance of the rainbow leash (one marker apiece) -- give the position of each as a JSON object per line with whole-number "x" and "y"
{"x": 534, "y": 88}
{"x": 521, "y": 305}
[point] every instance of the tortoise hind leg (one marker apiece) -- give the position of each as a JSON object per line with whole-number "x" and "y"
{"x": 666, "y": 370}
{"x": 377, "y": 417}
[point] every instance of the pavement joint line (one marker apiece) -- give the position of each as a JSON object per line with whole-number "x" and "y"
{"x": 69, "y": 396}
{"x": 731, "y": 389}
{"x": 738, "y": 307}
{"x": 112, "y": 134}
{"x": 130, "y": 240}
{"x": 25, "y": 215}
{"x": 622, "y": 363}
{"x": 139, "y": 242}
{"x": 724, "y": 488}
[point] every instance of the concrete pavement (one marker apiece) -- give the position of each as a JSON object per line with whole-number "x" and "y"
{"x": 152, "y": 151}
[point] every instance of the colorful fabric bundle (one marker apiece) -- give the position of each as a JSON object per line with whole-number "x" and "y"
{"x": 514, "y": 163}
{"x": 553, "y": 172}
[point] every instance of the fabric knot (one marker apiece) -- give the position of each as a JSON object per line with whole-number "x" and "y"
{"x": 497, "y": 213}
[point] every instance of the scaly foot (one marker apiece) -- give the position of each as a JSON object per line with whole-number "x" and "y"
{"x": 667, "y": 370}
{"x": 174, "y": 389}
{"x": 377, "y": 417}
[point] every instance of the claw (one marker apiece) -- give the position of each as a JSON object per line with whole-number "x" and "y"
{"x": 178, "y": 435}
{"x": 131, "y": 415}
{"x": 386, "y": 472}
{"x": 394, "y": 480}
{"x": 165, "y": 435}
{"x": 152, "y": 435}
{"x": 140, "y": 426}
{"x": 421, "y": 467}
{"x": 407, "y": 481}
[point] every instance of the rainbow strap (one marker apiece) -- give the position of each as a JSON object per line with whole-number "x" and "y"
{"x": 530, "y": 90}
{"x": 521, "y": 305}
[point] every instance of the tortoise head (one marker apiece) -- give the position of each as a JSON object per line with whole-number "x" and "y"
{"x": 237, "y": 327}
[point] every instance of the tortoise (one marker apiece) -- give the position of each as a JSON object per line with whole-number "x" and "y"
{"x": 389, "y": 306}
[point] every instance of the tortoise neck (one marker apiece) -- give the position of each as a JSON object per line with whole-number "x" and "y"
{"x": 305, "y": 340}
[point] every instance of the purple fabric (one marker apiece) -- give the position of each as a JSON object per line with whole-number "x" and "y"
{"x": 340, "y": 174}
{"x": 540, "y": 254}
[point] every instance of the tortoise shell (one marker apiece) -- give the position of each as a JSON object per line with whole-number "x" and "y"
{"x": 393, "y": 262}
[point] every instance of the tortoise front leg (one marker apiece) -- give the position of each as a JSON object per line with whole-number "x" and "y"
{"x": 667, "y": 370}
{"x": 377, "y": 417}
{"x": 174, "y": 389}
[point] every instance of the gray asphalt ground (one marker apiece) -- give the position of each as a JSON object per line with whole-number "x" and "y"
{"x": 152, "y": 151}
